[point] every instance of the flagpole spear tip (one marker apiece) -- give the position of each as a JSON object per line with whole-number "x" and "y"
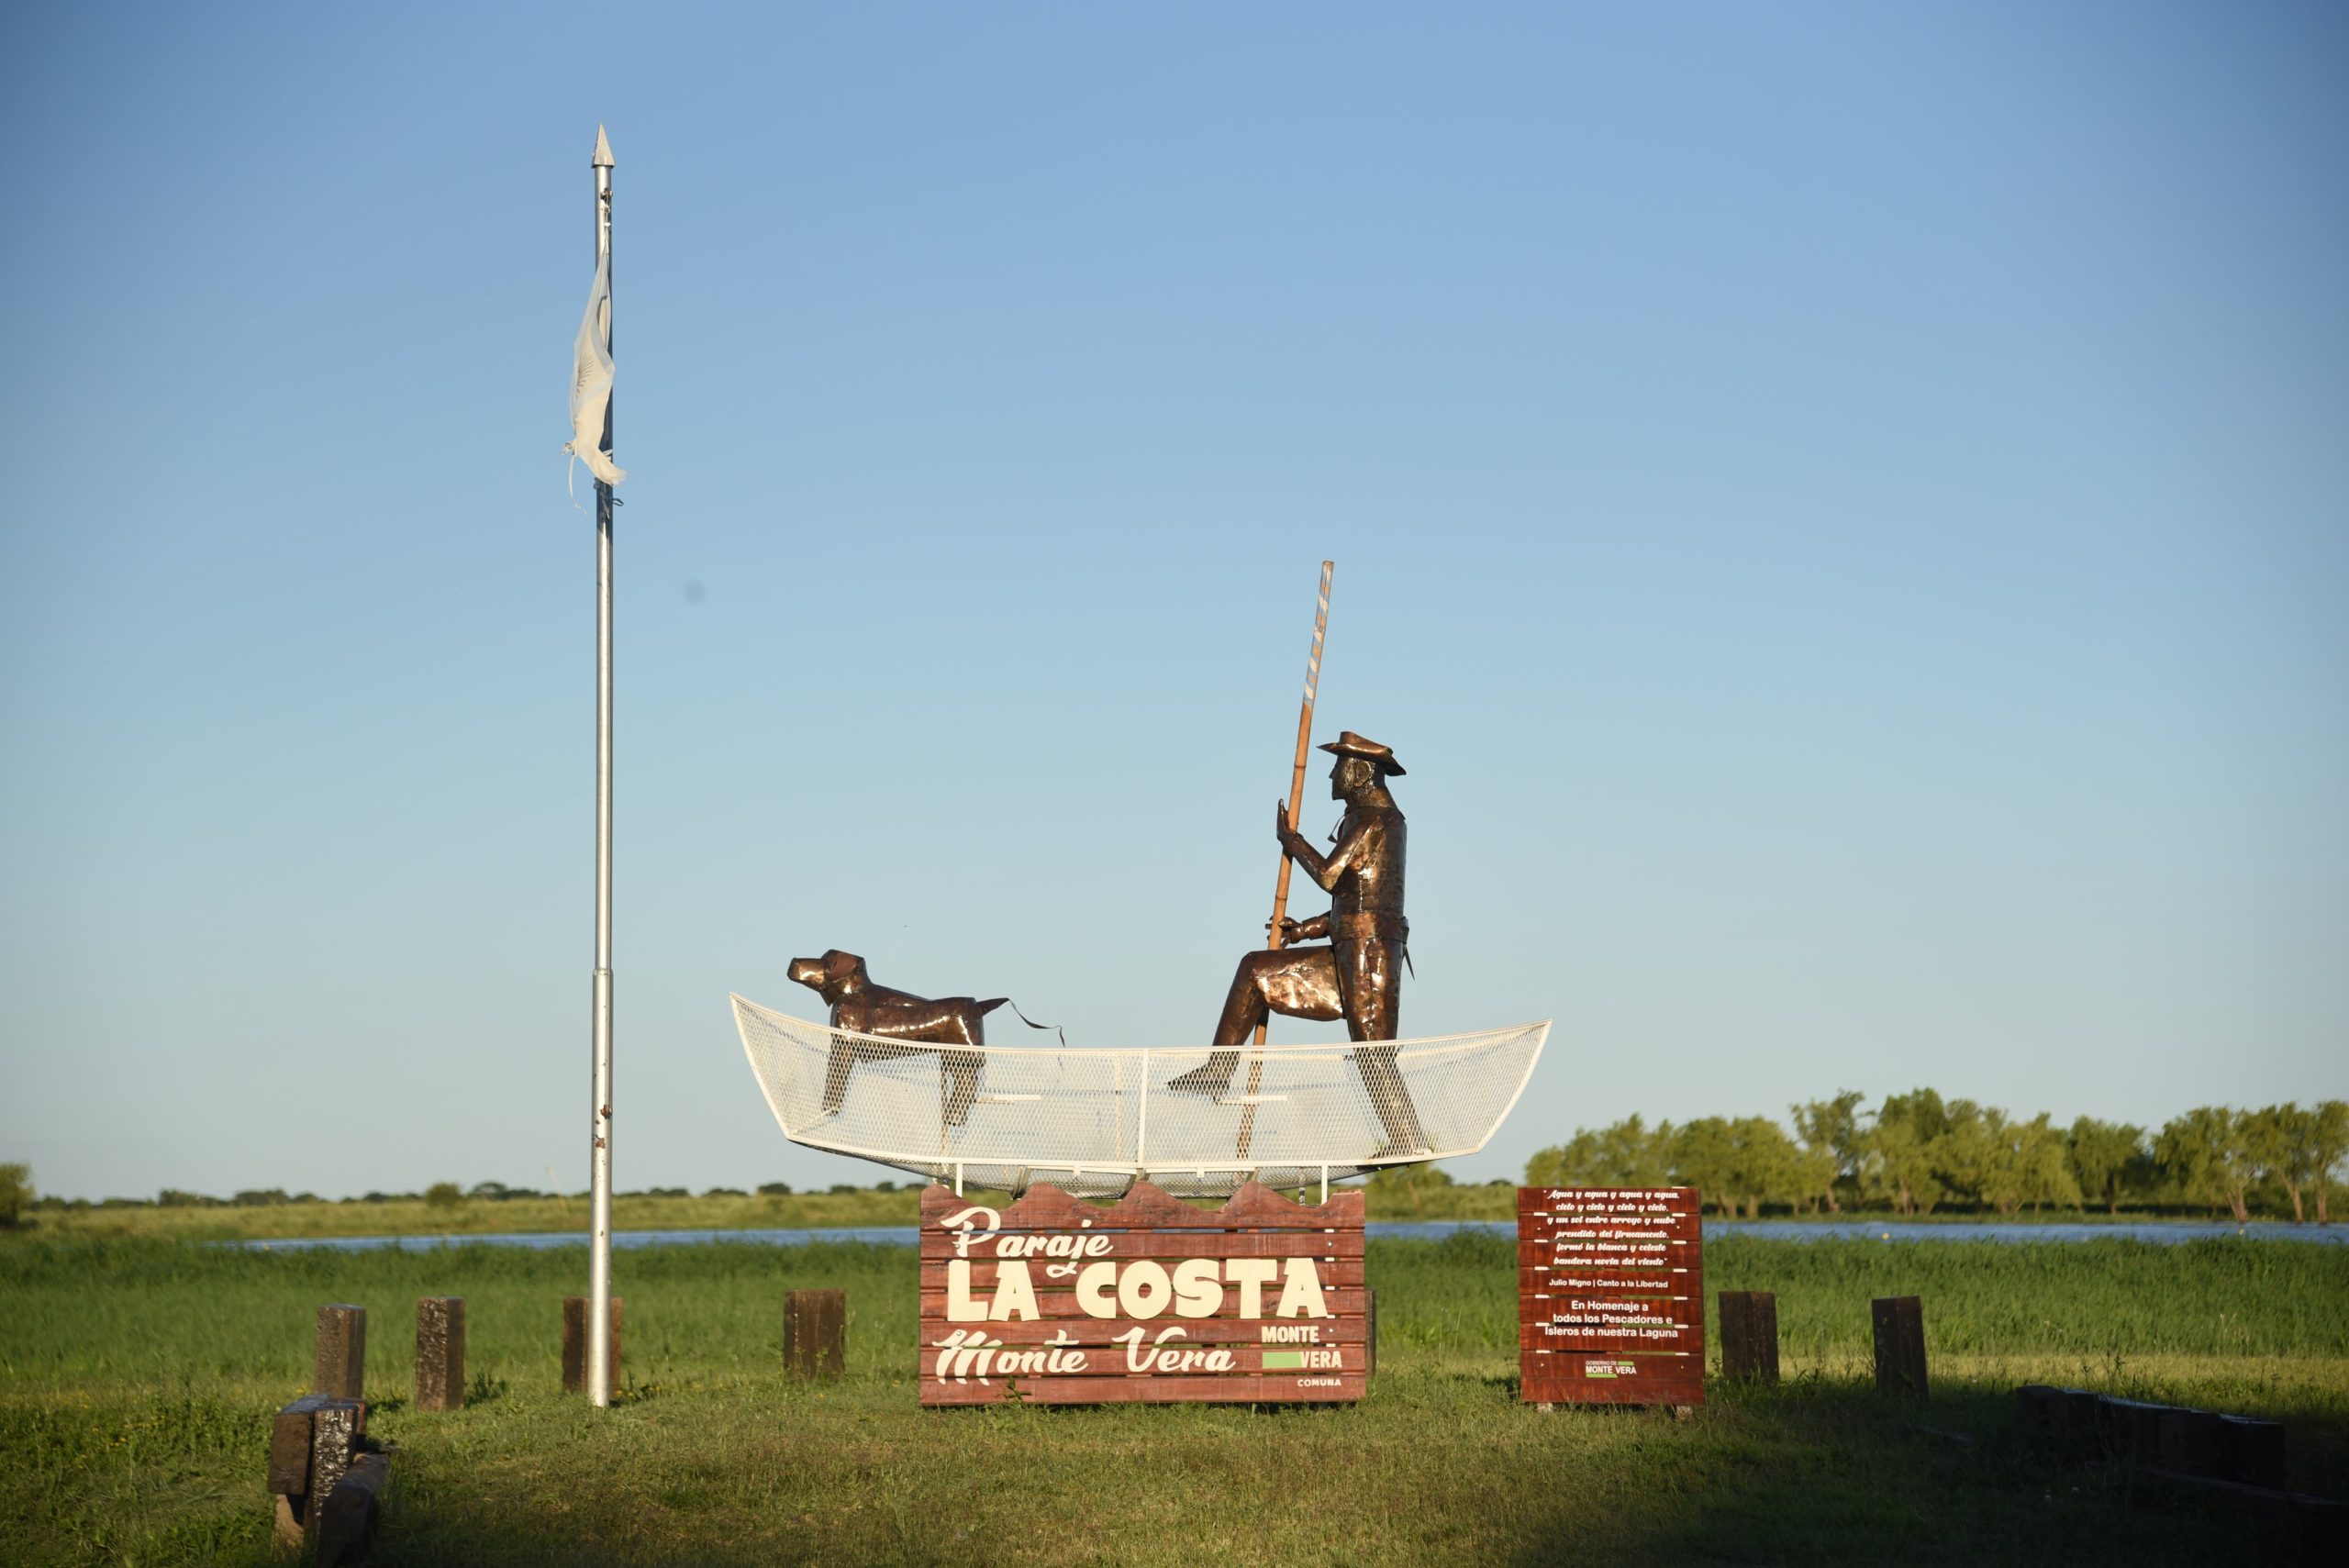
{"x": 603, "y": 159}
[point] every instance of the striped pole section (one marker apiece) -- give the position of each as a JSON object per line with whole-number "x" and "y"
{"x": 1295, "y": 805}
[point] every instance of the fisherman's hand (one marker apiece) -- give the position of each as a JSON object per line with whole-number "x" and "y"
{"x": 1296, "y": 930}
{"x": 1281, "y": 829}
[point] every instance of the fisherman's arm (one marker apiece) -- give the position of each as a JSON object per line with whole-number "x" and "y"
{"x": 1360, "y": 842}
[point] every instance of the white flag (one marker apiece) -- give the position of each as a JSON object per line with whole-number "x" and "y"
{"x": 591, "y": 380}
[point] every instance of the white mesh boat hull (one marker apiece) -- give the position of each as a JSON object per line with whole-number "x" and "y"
{"x": 1092, "y": 1121}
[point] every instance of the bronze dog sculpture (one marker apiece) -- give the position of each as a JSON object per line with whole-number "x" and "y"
{"x": 862, "y": 1007}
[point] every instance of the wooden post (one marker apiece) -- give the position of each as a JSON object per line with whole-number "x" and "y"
{"x": 347, "y": 1515}
{"x": 2252, "y": 1451}
{"x": 341, "y": 1368}
{"x": 439, "y": 1353}
{"x": 1900, "y": 1345}
{"x": 2190, "y": 1442}
{"x": 311, "y": 1446}
{"x": 289, "y": 1464}
{"x": 1295, "y": 805}
{"x": 814, "y": 1333}
{"x": 575, "y": 1343}
{"x": 1749, "y": 1335}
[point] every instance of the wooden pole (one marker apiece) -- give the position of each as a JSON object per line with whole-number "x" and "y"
{"x": 1295, "y": 805}
{"x": 1749, "y": 1335}
{"x": 342, "y": 1352}
{"x": 815, "y": 1332}
{"x": 439, "y": 1353}
{"x": 1899, "y": 1323}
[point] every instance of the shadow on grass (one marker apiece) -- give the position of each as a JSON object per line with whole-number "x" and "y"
{"x": 1829, "y": 1471}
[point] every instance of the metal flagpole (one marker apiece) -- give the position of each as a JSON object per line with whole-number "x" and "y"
{"x": 599, "y": 1251}
{"x": 1295, "y": 805}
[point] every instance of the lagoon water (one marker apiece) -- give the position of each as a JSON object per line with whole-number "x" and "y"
{"x": 2167, "y": 1233}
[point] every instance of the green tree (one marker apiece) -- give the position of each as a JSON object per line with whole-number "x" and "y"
{"x": 1832, "y": 1142}
{"x": 2205, "y": 1154}
{"x": 1704, "y": 1156}
{"x": 2104, "y": 1156}
{"x": 444, "y": 1195}
{"x": 1966, "y": 1157}
{"x": 1740, "y": 1164}
{"x": 15, "y": 1193}
{"x": 2045, "y": 1158}
{"x": 1771, "y": 1168}
{"x": 2328, "y": 1147}
{"x": 1899, "y": 1150}
{"x": 1626, "y": 1154}
{"x": 1408, "y": 1183}
{"x": 2273, "y": 1142}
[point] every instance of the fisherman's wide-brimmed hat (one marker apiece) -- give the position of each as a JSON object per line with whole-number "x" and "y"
{"x": 1349, "y": 744}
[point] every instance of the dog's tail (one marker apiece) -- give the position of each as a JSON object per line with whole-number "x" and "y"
{"x": 992, "y": 1003}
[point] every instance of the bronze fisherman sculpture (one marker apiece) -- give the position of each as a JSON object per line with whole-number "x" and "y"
{"x": 1359, "y": 975}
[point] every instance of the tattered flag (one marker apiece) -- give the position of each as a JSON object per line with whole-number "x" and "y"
{"x": 591, "y": 380}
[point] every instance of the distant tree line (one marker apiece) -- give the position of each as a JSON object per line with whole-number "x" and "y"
{"x": 18, "y": 1197}
{"x": 1916, "y": 1153}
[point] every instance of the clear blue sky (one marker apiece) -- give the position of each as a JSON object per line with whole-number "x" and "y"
{"x": 1844, "y": 510}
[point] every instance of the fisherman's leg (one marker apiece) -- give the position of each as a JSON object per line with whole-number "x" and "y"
{"x": 1370, "y": 974}
{"x": 1299, "y": 982}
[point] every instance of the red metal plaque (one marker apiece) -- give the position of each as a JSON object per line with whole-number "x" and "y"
{"x": 1148, "y": 1300}
{"x": 1610, "y": 1296}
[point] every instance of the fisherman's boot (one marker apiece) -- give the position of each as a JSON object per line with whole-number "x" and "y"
{"x": 1212, "y": 1077}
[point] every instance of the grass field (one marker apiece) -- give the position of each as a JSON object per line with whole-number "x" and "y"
{"x": 136, "y": 1376}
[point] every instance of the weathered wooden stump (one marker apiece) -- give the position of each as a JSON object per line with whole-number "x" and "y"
{"x": 311, "y": 1445}
{"x": 2081, "y": 1422}
{"x": 2190, "y": 1442}
{"x": 2252, "y": 1451}
{"x": 342, "y": 1370}
{"x": 815, "y": 1332}
{"x": 347, "y": 1516}
{"x": 575, "y": 1343}
{"x": 1899, "y": 1345}
{"x": 1749, "y": 1335}
{"x": 2038, "y": 1408}
{"x": 289, "y": 1464}
{"x": 439, "y": 1353}
{"x": 2132, "y": 1431}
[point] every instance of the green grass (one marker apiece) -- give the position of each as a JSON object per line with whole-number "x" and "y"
{"x": 136, "y": 1376}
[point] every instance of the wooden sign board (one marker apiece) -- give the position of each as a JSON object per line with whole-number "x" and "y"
{"x": 1147, "y": 1300}
{"x": 1610, "y": 1296}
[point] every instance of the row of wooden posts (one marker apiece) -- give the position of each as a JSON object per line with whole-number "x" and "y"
{"x": 326, "y": 1482}
{"x": 1749, "y": 1335}
{"x": 814, "y": 1344}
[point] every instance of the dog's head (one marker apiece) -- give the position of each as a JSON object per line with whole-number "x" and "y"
{"x": 832, "y": 976}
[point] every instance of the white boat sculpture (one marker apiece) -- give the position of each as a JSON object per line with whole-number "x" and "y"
{"x": 1093, "y": 1122}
